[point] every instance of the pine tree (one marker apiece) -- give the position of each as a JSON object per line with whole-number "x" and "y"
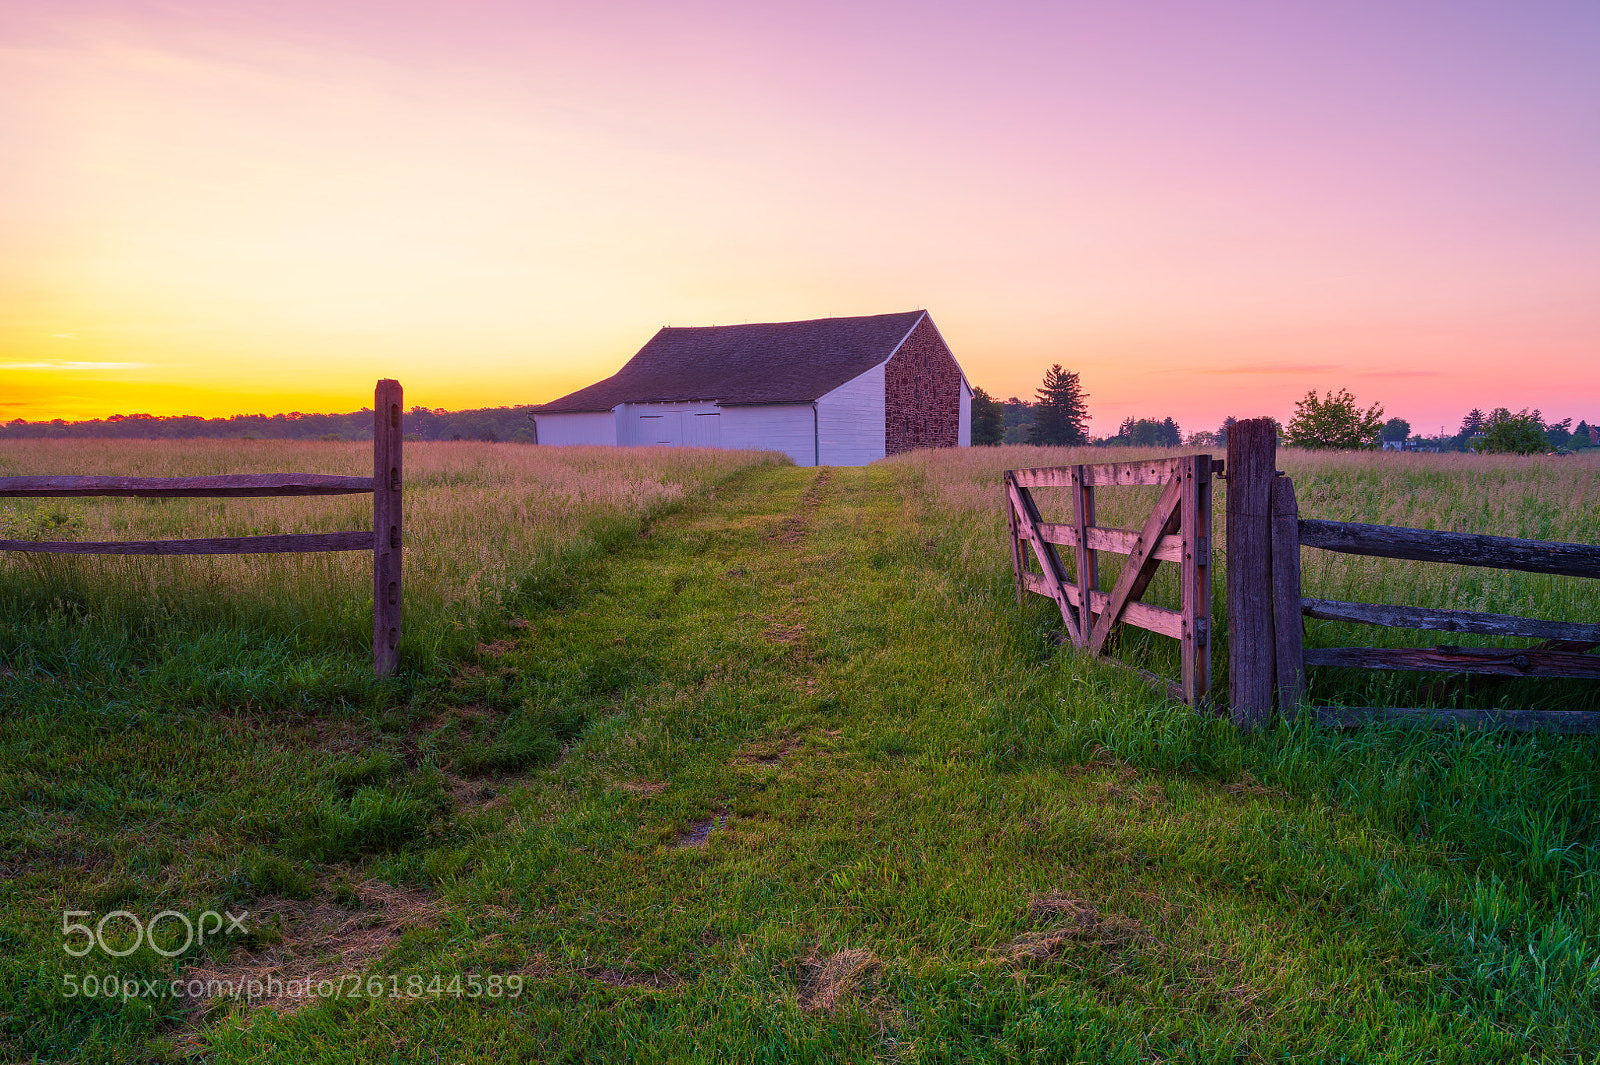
{"x": 1061, "y": 416}
{"x": 1472, "y": 422}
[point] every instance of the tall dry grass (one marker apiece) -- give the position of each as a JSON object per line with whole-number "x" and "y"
{"x": 482, "y": 520}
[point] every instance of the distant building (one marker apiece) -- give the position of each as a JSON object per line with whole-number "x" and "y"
{"x": 827, "y": 392}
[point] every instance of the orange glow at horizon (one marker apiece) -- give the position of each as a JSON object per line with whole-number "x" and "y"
{"x": 269, "y": 209}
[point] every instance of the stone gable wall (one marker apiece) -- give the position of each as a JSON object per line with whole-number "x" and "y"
{"x": 922, "y": 394}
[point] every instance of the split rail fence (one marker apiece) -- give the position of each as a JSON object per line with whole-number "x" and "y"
{"x": 1178, "y": 530}
{"x": 383, "y": 540}
{"x": 1267, "y": 656}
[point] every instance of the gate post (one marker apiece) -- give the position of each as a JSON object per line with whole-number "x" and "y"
{"x": 386, "y": 526}
{"x": 1252, "y": 458}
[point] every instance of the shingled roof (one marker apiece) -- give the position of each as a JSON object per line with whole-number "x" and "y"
{"x": 775, "y": 362}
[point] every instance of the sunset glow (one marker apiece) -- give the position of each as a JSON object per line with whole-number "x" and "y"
{"x": 1204, "y": 209}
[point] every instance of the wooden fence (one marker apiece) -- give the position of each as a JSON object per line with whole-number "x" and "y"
{"x": 1267, "y": 657}
{"x": 1178, "y": 530}
{"x": 383, "y": 541}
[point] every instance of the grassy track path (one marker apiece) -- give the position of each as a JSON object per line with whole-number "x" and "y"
{"x": 808, "y": 823}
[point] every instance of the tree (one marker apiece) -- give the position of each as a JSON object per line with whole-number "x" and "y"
{"x": 1512, "y": 434}
{"x": 1147, "y": 432}
{"x": 1396, "y": 429}
{"x": 1334, "y": 421}
{"x": 1061, "y": 416}
{"x": 1472, "y": 423}
{"x": 1019, "y": 417}
{"x": 988, "y": 419}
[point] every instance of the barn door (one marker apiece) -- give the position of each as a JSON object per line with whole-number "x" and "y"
{"x": 705, "y": 430}
{"x": 660, "y": 429}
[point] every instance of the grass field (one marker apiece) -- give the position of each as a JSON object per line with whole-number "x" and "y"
{"x": 787, "y": 777}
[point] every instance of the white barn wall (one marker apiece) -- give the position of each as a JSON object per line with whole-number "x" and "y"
{"x": 578, "y": 427}
{"x": 787, "y": 427}
{"x": 850, "y": 421}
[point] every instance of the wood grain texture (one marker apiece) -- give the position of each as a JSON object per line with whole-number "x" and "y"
{"x": 228, "y": 545}
{"x": 1118, "y": 541}
{"x": 1463, "y": 621}
{"x": 1195, "y": 567}
{"x": 1156, "y": 619}
{"x": 1086, "y": 563}
{"x": 1099, "y": 475}
{"x": 1462, "y": 549}
{"x": 1015, "y": 535}
{"x": 387, "y": 444}
{"x": 1485, "y": 660}
{"x": 1287, "y": 626}
{"x": 227, "y": 485}
{"x": 1564, "y": 721}
{"x": 1252, "y": 649}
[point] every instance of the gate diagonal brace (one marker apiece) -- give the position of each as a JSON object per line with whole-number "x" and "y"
{"x": 1142, "y": 563}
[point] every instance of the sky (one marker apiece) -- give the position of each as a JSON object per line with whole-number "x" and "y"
{"x": 1203, "y": 208}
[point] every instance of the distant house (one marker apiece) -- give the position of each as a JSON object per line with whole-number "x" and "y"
{"x": 827, "y": 392}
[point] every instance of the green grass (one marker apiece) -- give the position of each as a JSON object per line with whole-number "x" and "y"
{"x": 1010, "y": 852}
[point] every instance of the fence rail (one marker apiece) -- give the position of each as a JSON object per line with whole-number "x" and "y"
{"x": 384, "y": 540}
{"x": 1462, "y": 549}
{"x": 232, "y": 485}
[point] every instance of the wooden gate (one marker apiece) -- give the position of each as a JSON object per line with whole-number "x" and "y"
{"x": 1178, "y": 530}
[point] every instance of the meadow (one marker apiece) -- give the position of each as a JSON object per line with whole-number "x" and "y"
{"x": 726, "y": 759}
{"x": 485, "y": 524}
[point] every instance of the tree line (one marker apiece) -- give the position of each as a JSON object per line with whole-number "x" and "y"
{"x": 1058, "y": 416}
{"x": 491, "y": 424}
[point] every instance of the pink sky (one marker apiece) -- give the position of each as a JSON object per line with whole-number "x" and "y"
{"x": 1203, "y": 209}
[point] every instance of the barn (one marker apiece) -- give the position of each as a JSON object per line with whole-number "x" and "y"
{"x": 826, "y": 392}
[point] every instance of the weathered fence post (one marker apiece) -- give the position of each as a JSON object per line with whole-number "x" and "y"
{"x": 1286, "y": 615}
{"x": 386, "y": 526}
{"x": 1195, "y": 528}
{"x": 1252, "y": 459}
{"x": 1017, "y": 550}
{"x": 1085, "y": 561}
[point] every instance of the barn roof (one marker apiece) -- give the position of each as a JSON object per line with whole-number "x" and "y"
{"x": 775, "y": 362}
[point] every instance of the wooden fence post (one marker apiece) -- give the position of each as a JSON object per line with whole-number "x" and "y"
{"x": 1085, "y": 561}
{"x": 1018, "y": 552}
{"x": 1286, "y": 615}
{"x": 1195, "y": 528}
{"x": 386, "y": 525}
{"x": 1252, "y": 458}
